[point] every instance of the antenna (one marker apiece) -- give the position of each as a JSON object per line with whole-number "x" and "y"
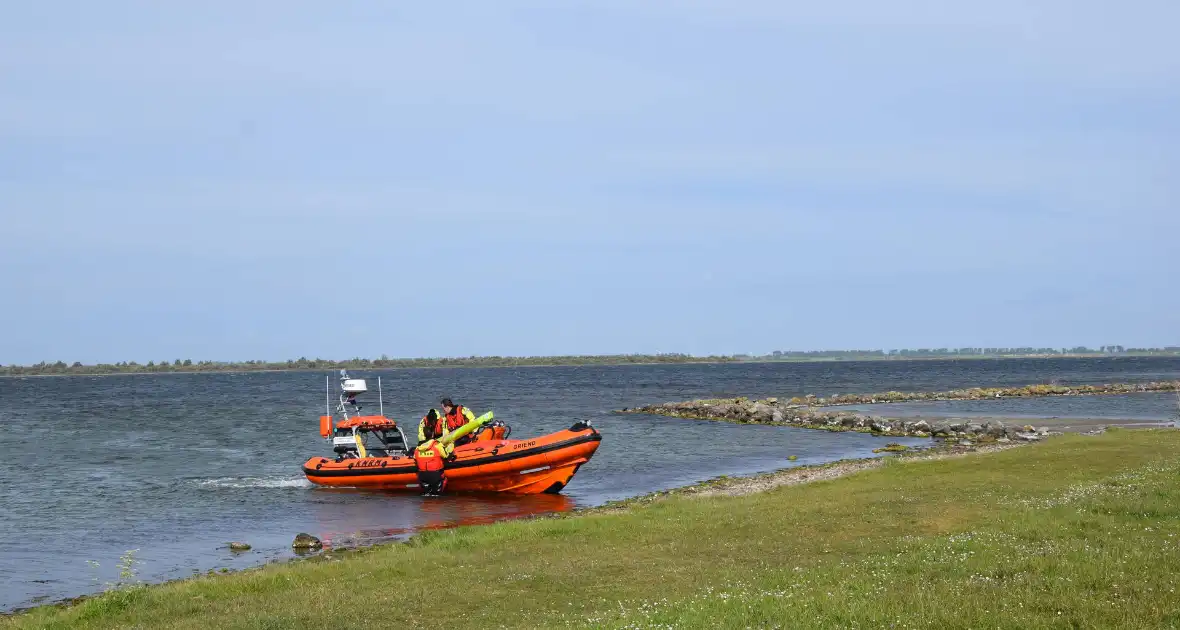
{"x": 380, "y": 398}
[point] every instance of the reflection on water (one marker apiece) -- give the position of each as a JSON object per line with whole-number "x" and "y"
{"x": 367, "y": 522}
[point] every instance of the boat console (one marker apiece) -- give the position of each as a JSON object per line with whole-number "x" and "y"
{"x": 348, "y": 434}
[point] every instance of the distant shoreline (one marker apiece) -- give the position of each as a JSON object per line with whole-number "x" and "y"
{"x": 320, "y": 365}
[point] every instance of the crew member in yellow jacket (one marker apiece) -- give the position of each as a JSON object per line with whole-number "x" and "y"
{"x": 456, "y": 416}
{"x": 432, "y": 426}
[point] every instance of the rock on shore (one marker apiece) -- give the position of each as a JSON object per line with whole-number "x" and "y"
{"x": 306, "y": 542}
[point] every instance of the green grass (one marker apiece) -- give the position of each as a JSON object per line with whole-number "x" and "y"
{"x": 1077, "y": 532}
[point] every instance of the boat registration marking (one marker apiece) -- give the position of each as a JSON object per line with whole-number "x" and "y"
{"x": 524, "y": 445}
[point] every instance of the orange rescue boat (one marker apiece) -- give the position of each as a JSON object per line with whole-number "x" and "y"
{"x": 488, "y": 463}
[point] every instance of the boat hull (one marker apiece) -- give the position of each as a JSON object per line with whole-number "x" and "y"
{"x": 544, "y": 464}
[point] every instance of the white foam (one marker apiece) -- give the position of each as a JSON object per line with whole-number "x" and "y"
{"x": 256, "y": 482}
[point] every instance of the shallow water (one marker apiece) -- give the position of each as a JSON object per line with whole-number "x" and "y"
{"x": 175, "y": 465}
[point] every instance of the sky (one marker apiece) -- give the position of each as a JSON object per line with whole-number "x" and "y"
{"x": 274, "y": 179}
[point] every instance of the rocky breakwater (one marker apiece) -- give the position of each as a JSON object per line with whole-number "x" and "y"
{"x": 813, "y": 412}
{"x": 776, "y": 412}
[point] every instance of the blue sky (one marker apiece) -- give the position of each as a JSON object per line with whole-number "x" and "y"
{"x": 236, "y": 180}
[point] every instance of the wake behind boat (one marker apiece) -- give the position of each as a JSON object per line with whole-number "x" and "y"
{"x": 371, "y": 452}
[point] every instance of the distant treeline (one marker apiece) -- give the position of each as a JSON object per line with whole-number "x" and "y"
{"x": 946, "y": 353}
{"x": 303, "y": 363}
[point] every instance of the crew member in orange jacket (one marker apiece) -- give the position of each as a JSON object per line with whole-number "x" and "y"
{"x": 430, "y": 460}
{"x": 456, "y": 416}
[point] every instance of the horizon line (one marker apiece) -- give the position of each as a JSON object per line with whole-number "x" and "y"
{"x": 682, "y": 356}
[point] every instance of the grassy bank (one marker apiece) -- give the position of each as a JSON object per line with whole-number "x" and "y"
{"x": 1073, "y": 532}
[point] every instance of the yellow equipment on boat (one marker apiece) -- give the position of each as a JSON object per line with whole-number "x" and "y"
{"x": 465, "y": 429}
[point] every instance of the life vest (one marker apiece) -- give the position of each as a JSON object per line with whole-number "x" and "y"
{"x": 430, "y": 456}
{"x": 431, "y": 429}
{"x": 457, "y": 417}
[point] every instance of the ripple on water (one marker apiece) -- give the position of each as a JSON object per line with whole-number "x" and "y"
{"x": 255, "y": 482}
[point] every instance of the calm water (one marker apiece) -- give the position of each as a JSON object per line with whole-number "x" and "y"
{"x": 177, "y": 465}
